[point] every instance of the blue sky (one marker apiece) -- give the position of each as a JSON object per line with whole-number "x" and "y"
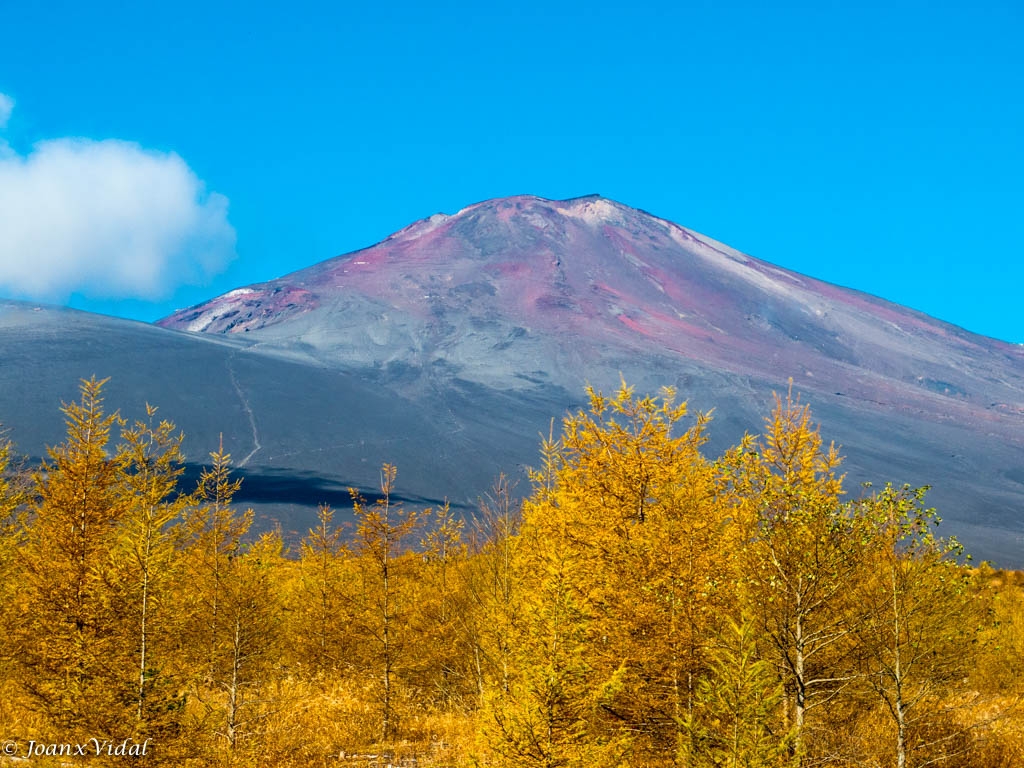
{"x": 875, "y": 145}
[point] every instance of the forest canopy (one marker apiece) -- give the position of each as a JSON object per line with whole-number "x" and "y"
{"x": 643, "y": 605}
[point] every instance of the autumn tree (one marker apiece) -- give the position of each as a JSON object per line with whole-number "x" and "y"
{"x": 69, "y": 628}
{"x": 224, "y": 602}
{"x": 641, "y": 508}
{"x": 322, "y": 599}
{"x": 919, "y": 620}
{"x": 643, "y": 607}
{"x": 544, "y": 714}
{"x": 143, "y": 563}
{"x": 251, "y": 619}
{"x": 383, "y": 602}
{"x": 493, "y": 587}
{"x": 211, "y": 538}
{"x": 14, "y": 499}
{"x": 14, "y": 496}
{"x": 799, "y": 556}
{"x": 623, "y": 530}
{"x": 539, "y": 710}
{"x": 446, "y": 668}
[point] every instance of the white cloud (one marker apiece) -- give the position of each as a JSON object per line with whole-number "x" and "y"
{"x": 106, "y": 219}
{"x": 6, "y": 107}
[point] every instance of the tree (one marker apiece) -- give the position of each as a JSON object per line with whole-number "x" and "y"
{"x": 799, "y": 556}
{"x": 918, "y": 625}
{"x": 143, "y": 562}
{"x": 493, "y": 587}
{"x": 735, "y": 722}
{"x": 445, "y": 661}
{"x": 620, "y": 577}
{"x": 70, "y": 628}
{"x": 544, "y": 715}
{"x": 226, "y": 603}
{"x": 322, "y": 599}
{"x": 383, "y": 603}
{"x": 251, "y": 614}
{"x": 641, "y": 508}
{"x": 211, "y": 538}
{"x": 14, "y": 497}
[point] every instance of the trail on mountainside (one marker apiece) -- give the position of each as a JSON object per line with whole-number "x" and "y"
{"x": 248, "y": 412}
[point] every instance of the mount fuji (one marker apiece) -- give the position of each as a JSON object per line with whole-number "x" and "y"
{"x": 449, "y": 347}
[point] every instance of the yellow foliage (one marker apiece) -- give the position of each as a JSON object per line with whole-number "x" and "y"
{"x": 648, "y": 606}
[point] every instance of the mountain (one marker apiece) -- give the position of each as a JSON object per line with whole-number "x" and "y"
{"x": 525, "y": 295}
{"x": 449, "y": 347}
{"x": 585, "y": 280}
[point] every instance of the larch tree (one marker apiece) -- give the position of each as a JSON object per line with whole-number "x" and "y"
{"x": 446, "y": 669}
{"x": 323, "y": 598}
{"x": 545, "y": 714}
{"x": 620, "y": 577}
{"x": 250, "y": 641}
{"x": 211, "y": 537}
{"x": 70, "y": 627}
{"x": 143, "y": 562}
{"x": 493, "y": 588}
{"x": 383, "y": 603}
{"x": 639, "y": 499}
{"x": 210, "y": 600}
{"x": 14, "y": 498}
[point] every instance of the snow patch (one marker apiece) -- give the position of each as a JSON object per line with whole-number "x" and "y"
{"x": 200, "y": 324}
{"x": 683, "y": 236}
{"x": 768, "y": 278}
{"x": 594, "y": 212}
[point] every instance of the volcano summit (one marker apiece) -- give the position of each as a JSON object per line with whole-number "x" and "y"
{"x": 522, "y": 290}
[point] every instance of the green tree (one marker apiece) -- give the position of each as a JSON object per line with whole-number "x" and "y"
{"x": 736, "y": 721}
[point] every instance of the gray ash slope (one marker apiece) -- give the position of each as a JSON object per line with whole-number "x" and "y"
{"x": 448, "y": 348}
{"x": 305, "y": 433}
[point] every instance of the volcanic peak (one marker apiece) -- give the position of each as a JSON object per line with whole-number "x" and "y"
{"x": 590, "y": 281}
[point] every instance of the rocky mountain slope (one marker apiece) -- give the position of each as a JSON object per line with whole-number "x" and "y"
{"x": 513, "y": 291}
